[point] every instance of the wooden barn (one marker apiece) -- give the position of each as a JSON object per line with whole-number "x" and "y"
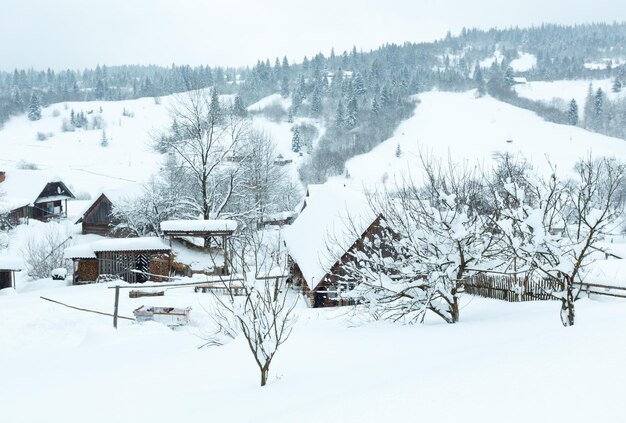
{"x": 33, "y": 194}
{"x": 97, "y": 218}
{"x": 130, "y": 259}
{"x": 332, "y": 226}
{"x": 8, "y": 267}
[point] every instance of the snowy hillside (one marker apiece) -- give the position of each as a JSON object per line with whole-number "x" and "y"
{"x": 78, "y": 156}
{"x": 474, "y": 131}
{"x": 86, "y": 166}
{"x": 565, "y": 90}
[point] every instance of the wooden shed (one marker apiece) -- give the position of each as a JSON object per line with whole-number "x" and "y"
{"x": 332, "y": 227}
{"x": 8, "y": 267}
{"x": 130, "y": 259}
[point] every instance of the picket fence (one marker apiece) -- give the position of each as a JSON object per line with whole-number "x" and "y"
{"x": 518, "y": 289}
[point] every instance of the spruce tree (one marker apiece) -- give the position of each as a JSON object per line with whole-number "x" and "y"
{"x": 296, "y": 140}
{"x": 238, "y": 108}
{"x": 34, "y": 107}
{"x": 215, "y": 108}
{"x": 509, "y": 76}
{"x": 316, "y": 102}
{"x": 351, "y": 114}
{"x": 572, "y": 114}
{"x": 104, "y": 141}
{"x": 284, "y": 86}
{"x": 479, "y": 79}
{"x": 16, "y": 98}
{"x": 358, "y": 86}
{"x": 617, "y": 85}
{"x": 340, "y": 116}
{"x": 375, "y": 106}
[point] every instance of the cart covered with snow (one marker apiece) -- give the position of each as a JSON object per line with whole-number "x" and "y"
{"x": 169, "y": 316}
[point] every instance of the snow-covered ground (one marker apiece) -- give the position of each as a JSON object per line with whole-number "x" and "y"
{"x": 604, "y": 63}
{"x": 566, "y": 90}
{"x": 78, "y": 156}
{"x": 524, "y": 62}
{"x": 473, "y": 131}
{"x": 503, "y": 362}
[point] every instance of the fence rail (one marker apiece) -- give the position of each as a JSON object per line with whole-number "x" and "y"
{"x": 519, "y": 288}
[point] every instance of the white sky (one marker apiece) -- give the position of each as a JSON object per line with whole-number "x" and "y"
{"x": 83, "y": 33}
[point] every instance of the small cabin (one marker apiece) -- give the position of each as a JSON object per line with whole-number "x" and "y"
{"x": 134, "y": 260}
{"x": 8, "y": 267}
{"x": 33, "y": 194}
{"x": 325, "y": 237}
{"x": 98, "y": 217}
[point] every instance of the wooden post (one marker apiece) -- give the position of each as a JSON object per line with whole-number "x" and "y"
{"x": 116, "y": 306}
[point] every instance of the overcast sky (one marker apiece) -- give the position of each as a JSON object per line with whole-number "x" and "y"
{"x": 83, "y": 33}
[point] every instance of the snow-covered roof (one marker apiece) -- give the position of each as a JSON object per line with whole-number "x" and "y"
{"x": 335, "y": 216}
{"x": 10, "y": 263}
{"x": 22, "y": 187}
{"x": 82, "y": 251}
{"x": 128, "y": 192}
{"x": 199, "y": 226}
{"x": 117, "y": 244}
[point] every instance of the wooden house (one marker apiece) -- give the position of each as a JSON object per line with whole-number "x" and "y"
{"x": 98, "y": 218}
{"x": 8, "y": 267}
{"x": 331, "y": 228}
{"x": 130, "y": 259}
{"x": 33, "y": 194}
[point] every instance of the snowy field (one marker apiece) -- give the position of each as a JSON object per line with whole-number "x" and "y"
{"x": 562, "y": 92}
{"x": 473, "y": 131}
{"x": 503, "y": 362}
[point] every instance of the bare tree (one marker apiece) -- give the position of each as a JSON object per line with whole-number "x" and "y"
{"x": 4, "y": 213}
{"x": 159, "y": 201}
{"x": 556, "y": 234}
{"x": 264, "y": 312}
{"x": 206, "y": 141}
{"x": 44, "y": 253}
{"x": 264, "y": 185}
{"x": 437, "y": 239}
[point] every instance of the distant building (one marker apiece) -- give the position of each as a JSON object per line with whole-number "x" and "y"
{"x": 33, "y": 194}
{"x": 129, "y": 259}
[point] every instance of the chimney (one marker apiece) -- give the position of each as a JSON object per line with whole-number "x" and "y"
{"x": 3, "y": 176}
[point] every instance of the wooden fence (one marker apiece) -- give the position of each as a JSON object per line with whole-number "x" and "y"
{"x": 517, "y": 289}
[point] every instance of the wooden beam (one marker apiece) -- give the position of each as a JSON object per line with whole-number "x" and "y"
{"x": 116, "y": 306}
{"x": 85, "y": 309}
